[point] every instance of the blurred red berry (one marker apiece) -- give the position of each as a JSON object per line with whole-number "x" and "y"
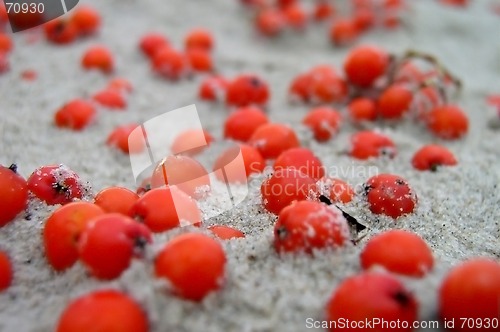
{"x": 270, "y": 22}
{"x": 229, "y": 168}
{"x": 371, "y": 144}
{"x": 127, "y": 139}
{"x": 110, "y": 98}
{"x": 431, "y": 157}
{"x": 394, "y": 102}
{"x": 103, "y": 310}
{"x": 246, "y": 90}
{"x": 152, "y": 42}
{"x": 295, "y": 16}
{"x": 226, "y": 232}
{"x": 324, "y": 122}
{"x": 271, "y": 139}
{"x": 6, "y": 271}
{"x": 116, "y": 200}
{"x": 6, "y": 44}
{"x": 60, "y": 31}
{"x": 169, "y": 63}
{"x": 323, "y": 10}
{"x": 343, "y": 31}
{"x": 191, "y": 142}
{"x": 448, "y": 122}
{"x": 242, "y": 123}
{"x": 76, "y": 115}
{"x": 86, "y": 19}
{"x": 99, "y": 58}
{"x": 213, "y": 88}
{"x": 200, "y": 59}
{"x": 301, "y": 159}
{"x": 365, "y": 64}
{"x": 362, "y": 109}
{"x": 199, "y": 38}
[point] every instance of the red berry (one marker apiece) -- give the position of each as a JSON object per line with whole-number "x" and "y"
{"x": 29, "y": 75}
{"x": 6, "y": 44}
{"x": 99, "y": 58}
{"x": 394, "y": 102}
{"x": 295, "y": 16}
{"x": 200, "y": 59}
{"x": 152, "y": 43}
{"x": 325, "y": 86}
{"x": 228, "y": 169}
{"x": 108, "y": 243}
{"x": 4, "y": 63}
{"x": 390, "y": 195}
{"x": 305, "y": 226}
{"x": 60, "y": 31}
{"x": 339, "y": 191}
{"x": 116, "y": 200}
{"x": 343, "y": 32}
{"x": 471, "y": 291}
{"x": 371, "y": 144}
{"x": 162, "y": 209}
{"x": 213, "y": 88}
{"x": 400, "y": 252}
{"x": 191, "y": 142}
{"x": 431, "y": 157}
{"x": 169, "y": 63}
{"x": 5, "y": 271}
{"x": 323, "y": 10}
{"x": 199, "y": 38}
{"x": 103, "y": 310}
{"x": 121, "y": 85}
{"x": 364, "y": 18}
{"x": 300, "y": 87}
{"x": 86, "y": 19}
{"x": 13, "y": 194}
{"x": 272, "y": 139}
{"x": 246, "y": 90}
{"x": 365, "y": 64}
{"x": 362, "y": 109}
{"x": 110, "y": 98}
{"x": 303, "y": 160}
{"x": 324, "y": 122}
{"x": 448, "y": 122}
{"x": 194, "y": 264}
{"x": 284, "y": 187}
{"x": 241, "y": 124}
{"x": 270, "y": 22}
{"x": 76, "y": 115}
{"x": 127, "y": 139}
{"x": 62, "y": 231}
{"x": 185, "y": 173}
{"x": 372, "y": 297}
{"x": 56, "y": 184}
{"x": 225, "y": 232}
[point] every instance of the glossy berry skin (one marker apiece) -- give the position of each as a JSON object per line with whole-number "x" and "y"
{"x": 343, "y": 32}
{"x": 194, "y": 264}
{"x": 471, "y": 290}
{"x": 213, "y": 88}
{"x": 60, "y": 31}
{"x": 394, "y": 102}
{"x": 432, "y": 156}
{"x": 162, "y": 209}
{"x": 448, "y": 122}
{"x": 370, "y": 296}
{"x": 191, "y": 142}
{"x": 6, "y": 272}
{"x": 98, "y": 58}
{"x": 246, "y": 90}
{"x": 185, "y": 173}
{"x": 103, "y": 311}
{"x": 305, "y": 226}
{"x": 301, "y": 159}
{"x": 62, "y": 231}
{"x": 151, "y": 42}
{"x": 400, "y": 252}
{"x": 242, "y": 123}
{"x": 13, "y": 194}
{"x": 225, "y": 232}
{"x": 116, "y": 200}
{"x": 390, "y": 195}
{"x": 272, "y": 139}
{"x": 365, "y": 64}
{"x": 371, "y": 144}
{"x": 86, "y": 19}
{"x": 324, "y": 122}
{"x": 199, "y": 38}
{"x": 108, "y": 243}
{"x": 76, "y": 115}
{"x": 127, "y": 139}
{"x": 284, "y": 187}
{"x": 111, "y": 99}
{"x": 169, "y": 63}
{"x": 55, "y": 184}
{"x": 228, "y": 167}
{"x": 362, "y": 109}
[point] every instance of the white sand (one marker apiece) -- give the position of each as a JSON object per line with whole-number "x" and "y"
{"x": 458, "y": 212}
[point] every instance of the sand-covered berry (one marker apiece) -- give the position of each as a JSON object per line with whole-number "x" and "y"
{"x": 302, "y": 159}
{"x": 324, "y": 122}
{"x": 371, "y": 144}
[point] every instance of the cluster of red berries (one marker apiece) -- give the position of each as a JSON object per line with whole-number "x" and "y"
{"x": 172, "y": 64}
{"x": 272, "y": 18}
{"x": 84, "y": 21}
